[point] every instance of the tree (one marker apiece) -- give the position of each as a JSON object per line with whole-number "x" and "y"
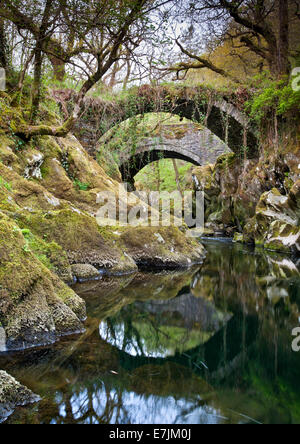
{"x": 262, "y": 26}
{"x": 91, "y": 35}
{"x": 47, "y": 21}
{"x": 3, "y": 46}
{"x": 27, "y": 17}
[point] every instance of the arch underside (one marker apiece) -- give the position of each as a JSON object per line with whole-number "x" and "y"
{"x": 137, "y": 162}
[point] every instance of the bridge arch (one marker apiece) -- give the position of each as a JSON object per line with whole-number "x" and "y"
{"x": 136, "y": 142}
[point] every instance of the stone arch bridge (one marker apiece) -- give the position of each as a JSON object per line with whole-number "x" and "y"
{"x": 224, "y": 127}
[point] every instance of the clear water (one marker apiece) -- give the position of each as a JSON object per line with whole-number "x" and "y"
{"x": 208, "y": 345}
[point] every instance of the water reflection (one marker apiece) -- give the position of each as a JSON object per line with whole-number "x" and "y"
{"x": 165, "y": 327}
{"x": 210, "y": 345}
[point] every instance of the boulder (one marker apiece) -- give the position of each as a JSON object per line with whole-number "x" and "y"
{"x": 36, "y": 307}
{"x": 163, "y": 247}
{"x": 276, "y": 222}
{"x": 48, "y": 224}
{"x": 84, "y": 271}
{"x": 12, "y": 395}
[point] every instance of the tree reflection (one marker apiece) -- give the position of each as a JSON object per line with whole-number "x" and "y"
{"x": 208, "y": 345}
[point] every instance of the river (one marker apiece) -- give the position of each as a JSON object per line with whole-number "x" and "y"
{"x": 209, "y": 345}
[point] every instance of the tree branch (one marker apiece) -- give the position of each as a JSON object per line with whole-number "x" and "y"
{"x": 202, "y": 63}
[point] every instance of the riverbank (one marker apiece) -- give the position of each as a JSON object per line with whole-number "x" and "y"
{"x": 255, "y": 201}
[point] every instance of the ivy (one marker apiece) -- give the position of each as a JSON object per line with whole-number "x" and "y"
{"x": 273, "y": 96}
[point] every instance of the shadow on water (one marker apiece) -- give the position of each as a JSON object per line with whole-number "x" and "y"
{"x": 209, "y": 345}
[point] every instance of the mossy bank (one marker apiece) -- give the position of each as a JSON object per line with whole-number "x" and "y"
{"x": 49, "y": 236}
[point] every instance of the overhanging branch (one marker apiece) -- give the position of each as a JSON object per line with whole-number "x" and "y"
{"x": 200, "y": 63}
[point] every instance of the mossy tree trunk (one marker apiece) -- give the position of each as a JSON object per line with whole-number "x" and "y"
{"x": 36, "y": 89}
{"x": 57, "y": 58}
{"x": 3, "y": 46}
{"x": 59, "y": 69}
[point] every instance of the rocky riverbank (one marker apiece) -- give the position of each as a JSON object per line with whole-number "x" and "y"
{"x": 12, "y": 395}
{"x": 255, "y": 201}
{"x": 49, "y": 236}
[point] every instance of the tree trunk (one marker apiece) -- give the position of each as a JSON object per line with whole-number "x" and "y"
{"x": 177, "y": 176}
{"x": 23, "y": 72}
{"x": 113, "y": 76}
{"x": 57, "y": 59}
{"x": 36, "y": 89}
{"x": 38, "y": 62}
{"x": 127, "y": 77}
{"x": 283, "y": 41}
{"x": 3, "y": 46}
{"x": 59, "y": 68}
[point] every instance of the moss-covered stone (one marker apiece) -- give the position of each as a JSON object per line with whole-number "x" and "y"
{"x": 50, "y": 254}
{"x": 238, "y": 237}
{"x": 34, "y": 303}
{"x": 233, "y": 188}
{"x": 79, "y": 235}
{"x": 12, "y": 395}
{"x": 47, "y": 224}
{"x": 276, "y": 223}
{"x": 161, "y": 247}
{"x": 85, "y": 272}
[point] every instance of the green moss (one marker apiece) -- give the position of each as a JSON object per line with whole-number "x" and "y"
{"x": 15, "y": 260}
{"x": 226, "y": 161}
{"x": 5, "y": 184}
{"x": 238, "y": 237}
{"x": 44, "y": 170}
{"x": 161, "y": 245}
{"x": 108, "y": 233}
{"x": 71, "y": 229}
{"x": 50, "y": 254}
{"x": 33, "y": 309}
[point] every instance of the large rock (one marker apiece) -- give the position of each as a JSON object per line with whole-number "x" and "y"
{"x": 36, "y": 307}
{"x": 162, "y": 247}
{"x": 84, "y": 271}
{"x": 59, "y": 207}
{"x": 234, "y": 185}
{"x": 12, "y": 395}
{"x": 276, "y": 222}
{"x": 80, "y": 236}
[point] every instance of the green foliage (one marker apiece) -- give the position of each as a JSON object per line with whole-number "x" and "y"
{"x": 4, "y": 184}
{"x": 80, "y": 185}
{"x": 19, "y": 143}
{"x": 273, "y": 96}
{"x": 12, "y": 82}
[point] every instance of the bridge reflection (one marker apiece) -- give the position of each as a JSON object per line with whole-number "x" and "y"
{"x": 208, "y": 345}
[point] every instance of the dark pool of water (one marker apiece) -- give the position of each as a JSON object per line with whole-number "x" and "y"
{"x": 208, "y": 345}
